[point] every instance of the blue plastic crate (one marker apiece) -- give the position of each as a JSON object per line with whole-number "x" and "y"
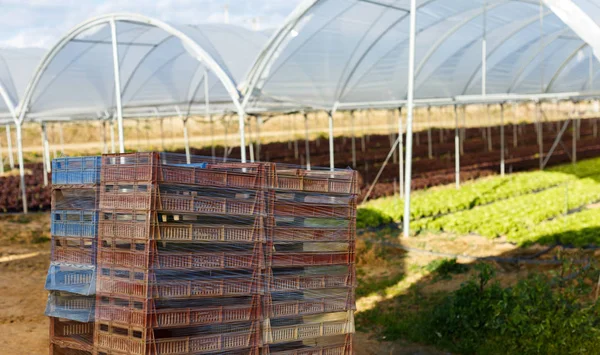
{"x": 71, "y": 306}
{"x": 76, "y": 170}
{"x": 74, "y": 223}
{"x": 73, "y": 278}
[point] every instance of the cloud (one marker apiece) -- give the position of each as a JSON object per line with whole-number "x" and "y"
{"x": 40, "y": 23}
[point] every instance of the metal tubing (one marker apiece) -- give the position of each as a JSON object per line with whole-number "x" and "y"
{"x": 502, "y": 139}
{"x": 61, "y": 137}
{"x": 409, "y": 117}
{"x": 250, "y": 141}
{"x": 241, "y": 122}
{"x": 556, "y": 142}
{"x": 306, "y": 141}
{"x": 1, "y": 160}
{"x": 540, "y": 137}
{"x": 400, "y": 154}
{"x": 429, "y": 144}
{"x": 259, "y": 123}
{"x": 331, "y": 146}
{"x": 103, "y": 135}
{"x": 44, "y": 155}
{"x": 574, "y": 140}
{"x": 11, "y": 159}
{"x": 353, "y": 140}
{"x": 489, "y": 130}
{"x": 112, "y": 136}
{"x": 21, "y": 166}
{"x": 115, "y": 50}
{"x": 456, "y": 148}
{"x": 186, "y": 141}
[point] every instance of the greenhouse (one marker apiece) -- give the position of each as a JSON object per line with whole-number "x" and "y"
{"x": 328, "y": 56}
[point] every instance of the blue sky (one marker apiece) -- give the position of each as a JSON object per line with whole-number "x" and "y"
{"x": 40, "y": 23}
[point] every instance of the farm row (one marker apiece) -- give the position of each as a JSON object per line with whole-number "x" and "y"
{"x": 543, "y": 206}
{"x": 477, "y": 160}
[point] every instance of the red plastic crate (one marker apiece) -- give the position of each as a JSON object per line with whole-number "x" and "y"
{"x": 181, "y": 232}
{"x": 308, "y": 328}
{"x": 131, "y": 340}
{"x": 71, "y": 334}
{"x": 278, "y": 283}
{"x": 181, "y": 260}
{"x": 342, "y": 346}
{"x": 73, "y": 250}
{"x": 126, "y": 224}
{"x": 336, "y": 182}
{"x": 141, "y": 284}
{"x": 288, "y": 259}
{"x": 309, "y": 234}
{"x": 142, "y": 313}
{"x": 170, "y": 168}
{"x": 298, "y": 209}
{"x": 146, "y": 198}
{"x": 57, "y": 350}
{"x": 337, "y": 302}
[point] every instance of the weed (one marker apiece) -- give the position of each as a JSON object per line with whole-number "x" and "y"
{"x": 443, "y": 268}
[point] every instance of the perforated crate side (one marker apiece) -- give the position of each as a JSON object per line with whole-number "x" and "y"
{"x": 75, "y": 278}
{"x": 74, "y": 223}
{"x": 70, "y": 306}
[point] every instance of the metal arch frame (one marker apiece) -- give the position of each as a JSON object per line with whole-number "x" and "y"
{"x": 563, "y": 65}
{"x": 534, "y": 55}
{"x": 202, "y": 56}
{"x": 265, "y": 57}
{"x": 8, "y": 102}
{"x": 525, "y": 24}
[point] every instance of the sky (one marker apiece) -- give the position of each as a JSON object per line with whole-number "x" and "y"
{"x": 40, "y": 23}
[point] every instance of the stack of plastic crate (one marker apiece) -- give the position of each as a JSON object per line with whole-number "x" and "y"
{"x": 71, "y": 277}
{"x": 181, "y": 255}
{"x": 309, "y": 293}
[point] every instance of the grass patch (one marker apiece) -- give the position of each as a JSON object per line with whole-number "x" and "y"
{"x": 445, "y": 268}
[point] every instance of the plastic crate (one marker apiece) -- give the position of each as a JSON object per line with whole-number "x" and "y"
{"x": 126, "y": 225}
{"x": 143, "y": 313}
{"x": 290, "y": 259}
{"x": 182, "y": 260}
{"x": 74, "y": 278}
{"x": 298, "y": 209}
{"x": 76, "y": 171}
{"x": 308, "y": 328}
{"x": 173, "y": 168}
{"x": 336, "y": 345}
{"x": 311, "y": 281}
{"x": 74, "y": 223}
{"x": 309, "y": 303}
{"x": 142, "y": 284}
{"x": 182, "y": 232}
{"x": 69, "y": 334}
{"x": 309, "y": 234}
{"x": 57, "y": 350}
{"x": 335, "y": 182}
{"x": 73, "y": 250}
{"x": 112, "y": 338}
{"x": 70, "y": 306}
{"x": 147, "y": 197}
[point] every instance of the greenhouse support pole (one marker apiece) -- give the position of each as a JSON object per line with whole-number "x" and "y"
{"x": 115, "y": 51}
{"x": 1, "y": 160}
{"x": 11, "y": 159}
{"x": 574, "y": 140}
{"x": 162, "y": 134}
{"x": 241, "y": 122}
{"x": 186, "y": 138}
{"x": 259, "y": 123}
{"x": 21, "y": 162}
{"x": 429, "y": 145}
{"x": 104, "y": 142}
{"x": 250, "y": 141}
{"x": 352, "y": 119}
{"x": 45, "y": 154}
{"x": 489, "y": 129}
{"x": 61, "y": 137}
{"x": 306, "y": 141}
{"x": 400, "y": 154}
{"x": 113, "y": 149}
{"x": 331, "y": 146}
{"x": 540, "y": 137}
{"x": 456, "y": 147}
{"x": 409, "y": 117}
{"x": 502, "y": 139}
